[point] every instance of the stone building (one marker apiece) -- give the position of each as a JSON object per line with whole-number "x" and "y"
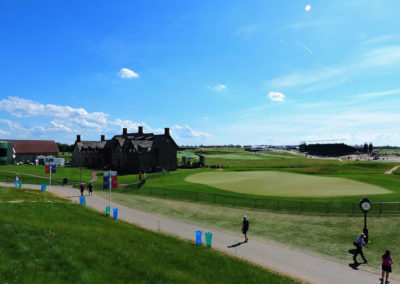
{"x": 129, "y": 152}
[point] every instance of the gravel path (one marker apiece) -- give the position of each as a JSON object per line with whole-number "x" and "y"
{"x": 389, "y": 172}
{"x": 306, "y": 267}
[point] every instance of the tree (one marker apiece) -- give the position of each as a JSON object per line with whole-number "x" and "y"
{"x": 365, "y": 147}
{"x": 370, "y": 147}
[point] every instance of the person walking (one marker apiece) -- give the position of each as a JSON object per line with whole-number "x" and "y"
{"x": 359, "y": 242}
{"x": 245, "y": 228}
{"x": 90, "y": 187}
{"x": 387, "y": 262}
{"x": 82, "y": 187}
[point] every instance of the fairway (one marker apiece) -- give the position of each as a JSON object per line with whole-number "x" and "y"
{"x": 270, "y": 183}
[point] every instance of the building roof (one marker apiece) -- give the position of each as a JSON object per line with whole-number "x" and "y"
{"x": 33, "y": 146}
{"x": 140, "y": 141}
{"x": 91, "y": 145}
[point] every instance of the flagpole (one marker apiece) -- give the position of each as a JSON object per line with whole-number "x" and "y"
{"x": 109, "y": 195}
{"x": 50, "y": 173}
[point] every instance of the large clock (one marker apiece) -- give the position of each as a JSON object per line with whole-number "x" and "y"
{"x": 365, "y": 204}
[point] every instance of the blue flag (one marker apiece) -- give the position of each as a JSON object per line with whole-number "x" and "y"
{"x": 53, "y": 169}
{"x": 106, "y": 180}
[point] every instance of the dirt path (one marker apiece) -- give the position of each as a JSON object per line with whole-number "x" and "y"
{"x": 94, "y": 177}
{"x": 306, "y": 267}
{"x": 389, "y": 172}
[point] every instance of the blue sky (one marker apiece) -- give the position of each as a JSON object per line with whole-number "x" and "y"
{"x": 214, "y": 72}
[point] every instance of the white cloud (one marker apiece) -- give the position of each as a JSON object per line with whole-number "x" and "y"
{"x": 65, "y": 119}
{"x": 276, "y": 96}
{"x": 126, "y": 73}
{"x": 307, "y": 8}
{"x": 185, "y": 133}
{"x": 20, "y": 107}
{"x": 218, "y": 88}
{"x": 205, "y": 118}
{"x": 60, "y": 126}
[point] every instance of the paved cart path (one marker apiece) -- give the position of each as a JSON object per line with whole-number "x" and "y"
{"x": 389, "y": 172}
{"x": 307, "y": 267}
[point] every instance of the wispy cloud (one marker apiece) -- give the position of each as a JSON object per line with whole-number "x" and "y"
{"x": 218, "y": 88}
{"x": 379, "y": 39}
{"x": 276, "y": 96}
{"x": 304, "y": 47}
{"x": 388, "y": 56}
{"x": 379, "y": 94}
{"x": 307, "y": 23}
{"x": 126, "y": 73}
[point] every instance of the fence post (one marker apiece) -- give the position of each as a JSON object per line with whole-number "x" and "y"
{"x": 278, "y": 206}
{"x": 380, "y": 208}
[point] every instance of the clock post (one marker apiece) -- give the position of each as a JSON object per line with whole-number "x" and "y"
{"x": 365, "y": 206}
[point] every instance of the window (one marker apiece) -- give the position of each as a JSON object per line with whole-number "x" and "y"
{"x": 3, "y": 152}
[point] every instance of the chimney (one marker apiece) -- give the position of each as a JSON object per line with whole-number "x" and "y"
{"x": 140, "y": 130}
{"x": 78, "y": 138}
{"x": 102, "y": 137}
{"x": 166, "y": 131}
{"x": 124, "y": 132}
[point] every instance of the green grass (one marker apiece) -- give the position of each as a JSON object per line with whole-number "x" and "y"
{"x": 60, "y": 242}
{"x": 329, "y": 236}
{"x": 71, "y": 173}
{"x": 270, "y": 183}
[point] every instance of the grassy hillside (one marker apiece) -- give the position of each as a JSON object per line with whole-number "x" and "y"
{"x": 53, "y": 241}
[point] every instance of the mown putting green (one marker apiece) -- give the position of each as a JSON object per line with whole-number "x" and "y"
{"x": 270, "y": 183}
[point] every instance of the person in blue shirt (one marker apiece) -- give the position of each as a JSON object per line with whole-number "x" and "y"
{"x": 359, "y": 242}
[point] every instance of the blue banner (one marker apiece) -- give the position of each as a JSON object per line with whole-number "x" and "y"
{"x": 106, "y": 180}
{"x": 53, "y": 169}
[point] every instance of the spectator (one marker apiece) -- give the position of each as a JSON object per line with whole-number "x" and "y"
{"x": 90, "y": 187}
{"x": 245, "y": 228}
{"x": 359, "y": 242}
{"x": 387, "y": 262}
{"x": 82, "y": 187}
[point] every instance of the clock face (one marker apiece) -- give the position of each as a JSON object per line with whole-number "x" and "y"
{"x": 365, "y": 206}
